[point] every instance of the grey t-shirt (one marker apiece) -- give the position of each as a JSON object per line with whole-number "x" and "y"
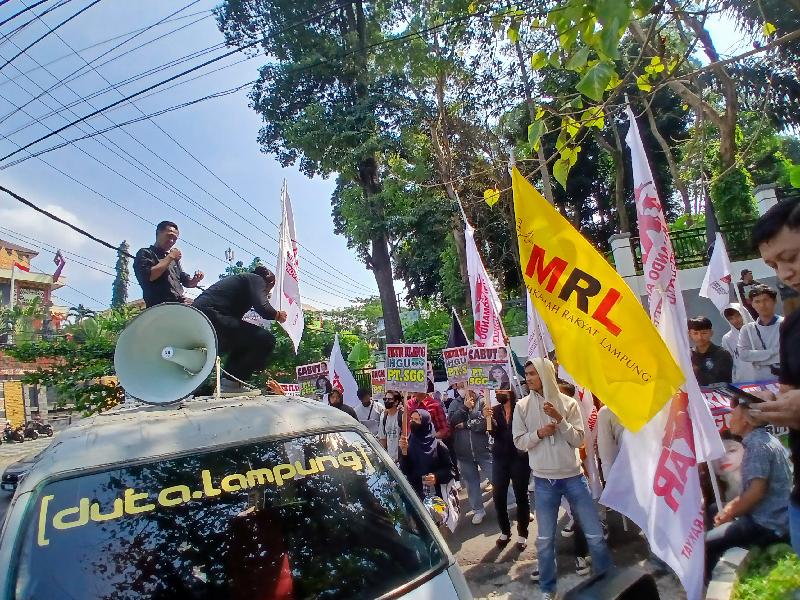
{"x": 390, "y": 429}
{"x": 765, "y": 458}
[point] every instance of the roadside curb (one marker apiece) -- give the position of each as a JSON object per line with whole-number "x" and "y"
{"x": 726, "y": 573}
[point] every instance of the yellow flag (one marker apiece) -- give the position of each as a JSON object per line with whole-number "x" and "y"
{"x": 601, "y": 331}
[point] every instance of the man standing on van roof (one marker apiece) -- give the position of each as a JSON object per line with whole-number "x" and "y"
{"x": 158, "y": 268}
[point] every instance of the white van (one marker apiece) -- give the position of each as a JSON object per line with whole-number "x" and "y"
{"x": 265, "y": 498}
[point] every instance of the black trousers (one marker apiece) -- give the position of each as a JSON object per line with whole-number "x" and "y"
{"x": 515, "y": 472}
{"x": 247, "y": 346}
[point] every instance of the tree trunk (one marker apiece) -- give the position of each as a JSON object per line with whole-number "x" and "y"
{"x": 673, "y": 167}
{"x": 618, "y": 157}
{"x": 382, "y": 268}
{"x": 461, "y": 249}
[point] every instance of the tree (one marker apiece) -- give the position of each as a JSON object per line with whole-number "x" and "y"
{"x": 238, "y": 267}
{"x": 327, "y": 104}
{"x": 81, "y": 359}
{"x": 119, "y": 290}
{"x": 79, "y": 313}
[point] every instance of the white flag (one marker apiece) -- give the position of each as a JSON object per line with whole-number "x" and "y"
{"x": 655, "y": 480}
{"x": 716, "y": 283}
{"x": 340, "y": 376}
{"x": 287, "y": 274}
{"x": 486, "y": 305}
{"x": 540, "y": 343}
{"x": 589, "y": 414}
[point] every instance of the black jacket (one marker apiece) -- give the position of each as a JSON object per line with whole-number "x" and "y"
{"x": 235, "y": 295}
{"x": 790, "y": 375}
{"x": 443, "y": 469}
{"x": 713, "y": 366}
{"x": 503, "y": 448}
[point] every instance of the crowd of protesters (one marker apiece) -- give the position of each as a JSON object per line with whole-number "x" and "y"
{"x": 534, "y": 445}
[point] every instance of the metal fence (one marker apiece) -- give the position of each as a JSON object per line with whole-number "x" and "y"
{"x": 691, "y": 245}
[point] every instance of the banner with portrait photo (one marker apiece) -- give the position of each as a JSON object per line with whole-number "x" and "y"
{"x": 489, "y": 368}
{"x": 378, "y": 380}
{"x": 313, "y": 379}
{"x": 406, "y": 367}
{"x": 456, "y": 364}
{"x": 291, "y": 389}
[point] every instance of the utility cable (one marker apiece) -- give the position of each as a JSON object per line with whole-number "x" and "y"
{"x": 136, "y": 34}
{"x": 44, "y": 35}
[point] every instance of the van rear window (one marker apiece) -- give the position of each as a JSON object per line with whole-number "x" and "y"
{"x": 312, "y": 517}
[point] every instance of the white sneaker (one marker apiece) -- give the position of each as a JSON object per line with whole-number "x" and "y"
{"x": 548, "y": 596}
{"x": 478, "y": 517}
{"x": 582, "y": 566}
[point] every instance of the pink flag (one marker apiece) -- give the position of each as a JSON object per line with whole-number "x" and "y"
{"x": 654, "y": 480}
{"x": 486, "y": 304}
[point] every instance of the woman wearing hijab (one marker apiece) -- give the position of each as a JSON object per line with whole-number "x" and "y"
{"x": 549, "y": 427}
{"x": 424, "y": 459}
{"x": 509, "y": 467}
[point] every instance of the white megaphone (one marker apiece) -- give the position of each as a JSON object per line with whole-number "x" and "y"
{"x": 165, "y": 353}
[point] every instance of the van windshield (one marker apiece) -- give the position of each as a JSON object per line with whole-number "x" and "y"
{"x": 312, "y": 517}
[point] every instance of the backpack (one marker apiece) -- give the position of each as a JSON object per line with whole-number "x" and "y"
{"x": 399, "y": 419}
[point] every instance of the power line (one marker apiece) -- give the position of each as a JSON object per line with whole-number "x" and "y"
{"x": 52, "y": 248}
{"x": 363, "y": 287}
{"x": 24, "y": 10}
{"x": 44, "y": 248}
{"x": 163, "y": 82}
{"x": 147, "y": 171}
{"x": 44, "y": 35}
{"x": 135, "y": 34}
{"x": 58, "y": 219}
{"x": 15, "y": 31}
{"x": 207, "y": 13}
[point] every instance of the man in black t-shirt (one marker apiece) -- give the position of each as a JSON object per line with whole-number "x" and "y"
{"x": 158, "y": 268}
{"x": 712, "y": 364}
{"x": 776, "y": 235}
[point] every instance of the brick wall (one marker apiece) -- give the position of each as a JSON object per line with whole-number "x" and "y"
{"x": 11, "y": 368}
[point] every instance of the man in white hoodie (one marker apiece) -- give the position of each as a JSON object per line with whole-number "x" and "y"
{"x": 549, "y": 427}
{"x": 742, "y": 369}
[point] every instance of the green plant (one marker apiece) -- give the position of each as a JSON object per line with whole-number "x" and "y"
{"x": 76, "y": 363}
{"x": 119, "y": 290}
{"x": 772, "y": 574}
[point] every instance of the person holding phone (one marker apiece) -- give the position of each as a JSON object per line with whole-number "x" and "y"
{"x": 759, "y": 341}
{"x": 776, "y": 235}
{"x": 759, "y": 515}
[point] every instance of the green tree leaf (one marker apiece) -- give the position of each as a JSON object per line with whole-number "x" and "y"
{"x": 513, "y": 33}
{"x": 643, "y": 83}
{"x": 491, "y": 196}
{"x": 578, "y": 60}
{"x": 538, "y": 60}
{"x": 794, "y": 176}
{"x": 535, "y": 131}
{"x": 593, "y": 117}
{"x": 768, "y": 29}
{"x": 560, "y": 171}
{"x": 594, "y": 83}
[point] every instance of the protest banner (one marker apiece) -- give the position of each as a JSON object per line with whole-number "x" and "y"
{"x": 456, "y": 362}
{"x": 378, "y": 379}
{"x": 720, "y": 405}
{"x": 406, "y": 367}
{"x": 313, "y": 379}
{"x": 489, "y": 368}
{"x": 291, "y": 389}
{"x": 603, "y": 335}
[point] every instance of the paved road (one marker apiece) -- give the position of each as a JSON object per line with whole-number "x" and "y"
{"x": 10, "y": 453}
{"x": 505, "y": 574}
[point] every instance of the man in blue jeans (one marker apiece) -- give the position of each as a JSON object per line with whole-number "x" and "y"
{"x": 548, "y": 426}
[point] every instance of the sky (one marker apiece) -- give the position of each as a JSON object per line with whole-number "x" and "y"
{"x": 221, "y": 133}
{"x": 227, "y": 196}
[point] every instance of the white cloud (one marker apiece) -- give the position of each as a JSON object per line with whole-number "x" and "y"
{"x": 28, "y": 222}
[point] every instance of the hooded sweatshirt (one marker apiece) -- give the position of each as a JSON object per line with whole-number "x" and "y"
{"x": 742, "y": 369}
{"x": 554, "y": 457}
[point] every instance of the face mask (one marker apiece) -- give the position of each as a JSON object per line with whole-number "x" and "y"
{"x": 503, "y": 399}
{"x": 389, "y": 404}
{"x": 415, "y": 427}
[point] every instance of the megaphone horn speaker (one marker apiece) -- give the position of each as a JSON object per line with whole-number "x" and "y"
{"x": 165, "y": 353}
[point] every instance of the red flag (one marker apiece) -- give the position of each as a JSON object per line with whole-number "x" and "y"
{"x": 22, "y": 267}
{"x": 59, "y": 262}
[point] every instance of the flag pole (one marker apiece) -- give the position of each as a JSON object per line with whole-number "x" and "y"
{"x": 281, "y": 269}
{"x": 11, "y": 298}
